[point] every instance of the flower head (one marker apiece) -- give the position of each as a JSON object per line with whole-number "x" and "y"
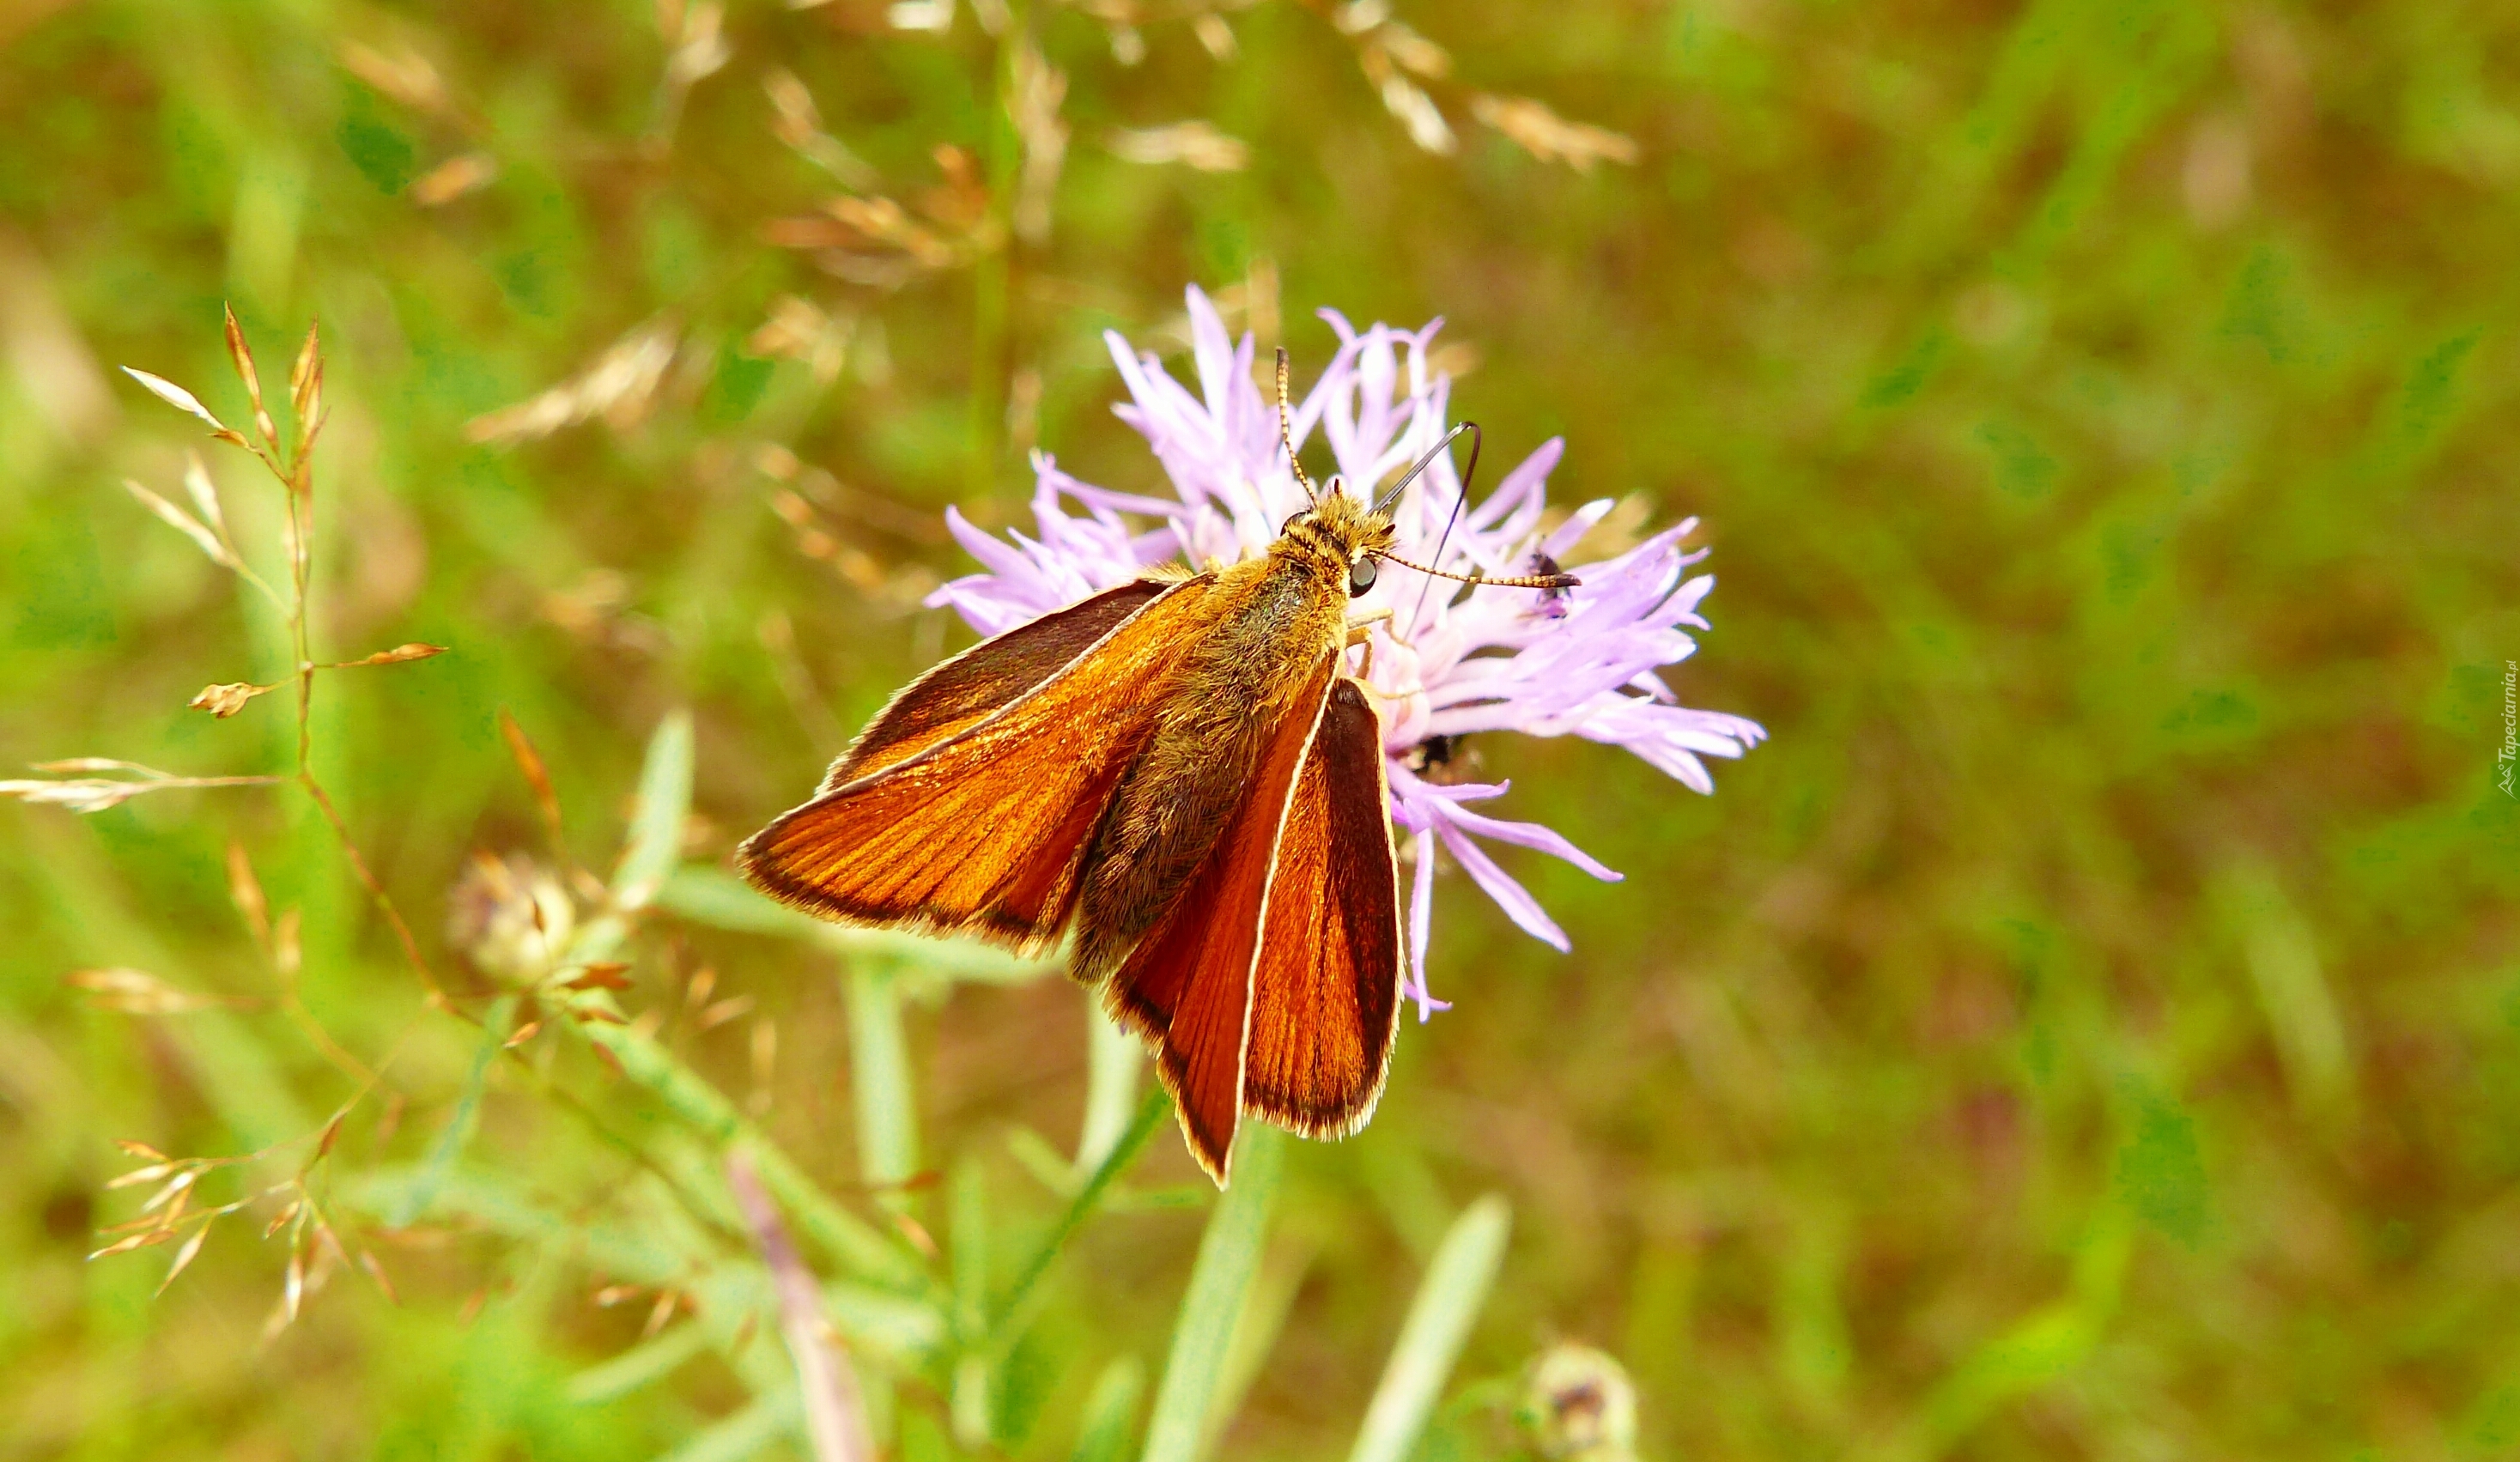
{"x": 1450, "y": 663}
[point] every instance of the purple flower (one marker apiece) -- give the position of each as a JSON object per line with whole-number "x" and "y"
{"x": 1577, "y": 662}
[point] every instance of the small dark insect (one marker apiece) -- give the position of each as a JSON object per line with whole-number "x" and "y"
{"x": 1553, "y": 600}
{"x": 1183, "y": 770}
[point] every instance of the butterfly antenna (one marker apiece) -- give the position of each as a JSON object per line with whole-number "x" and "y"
{"x": 1383, "y": 505}
{"x": 1520, "y": 581}
{"x": 1286, "y": 432}
{"x": 1417, "y": 613}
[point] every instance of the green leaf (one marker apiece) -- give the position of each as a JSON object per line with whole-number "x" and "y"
{"x": 1013, "y": 1315}
{"x": 741, "y": 1435}
{"x": 1219, "y": 1281}
{"x": 2161, "y": 1171}
{"x": 637, "y": 1367}
{"x": 1111, "y": 1086}
{"x": 655, "y": 842}
{"x": 971, "y": 1402}
{"x": 457, "y": 1131}
{"x": 1109, "y": 1409}
{"x": 888, "y": 1109}
{"x": 1439, "y": 1320}
{"x": 720, "y": 899}
{"x": 1265, "y": 1310}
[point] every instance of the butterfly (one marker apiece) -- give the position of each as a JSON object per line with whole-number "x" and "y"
{"x": 1182, "y": 770}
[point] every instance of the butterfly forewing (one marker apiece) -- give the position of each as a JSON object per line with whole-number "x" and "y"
{"x": 1188, "y": 984}
{"x": 982, "y": 828}
{"x": 974, "y": 684}
{"x": 1326, "y": 993}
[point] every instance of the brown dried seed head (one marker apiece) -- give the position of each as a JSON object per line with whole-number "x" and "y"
{"x": 136, "y": 992}
{"x": 247, "y": 891}
{"x": 183, "y": 1255}
{"x": 302, "y": 373}
{"x": 376, "y": 1270}
{"x": 185, "y": 523}
{"x": 241, "y": 356}
{"x": 225, "y": 701}
{"x": 182, "y": 400}
{"x": 400, "y": 655}
{"x": 1552, "y": 138}
{"x": 285, "y": 953}
{"x": 607, "y": 976}
{"x": 403, "y": 74}
{"x": 537, "y": 777}
{"x": 452, "y": 179}
{"x": 723, "y": 1012}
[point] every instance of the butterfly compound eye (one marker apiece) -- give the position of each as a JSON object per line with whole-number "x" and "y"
{"x": 1359, "y": 577}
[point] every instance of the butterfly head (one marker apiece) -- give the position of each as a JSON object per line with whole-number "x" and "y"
{"x": 1341, "y": 537}
{"x": 1341, "y": 534}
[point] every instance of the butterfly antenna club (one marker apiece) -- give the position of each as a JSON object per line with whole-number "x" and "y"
{"x": 1286, "y": 432}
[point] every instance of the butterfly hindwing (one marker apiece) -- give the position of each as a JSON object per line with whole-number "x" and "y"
{"x": 1325, "y": 994}
{"x": 1188, "y": 984}
{"x": 981, "y": 829}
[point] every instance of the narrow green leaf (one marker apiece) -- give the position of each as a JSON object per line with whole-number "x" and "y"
{"x": 457, "y": 1131}
{"x": 1265, "y": 1308}
{"x": 888, "y": 1109}
{"x": 656, "y": 843}
{"x": 1110, "y": 1412}
{"x": 968, "y": 1232}
{"x": 2292, "y": 987}
{"x": 2037, "y": 1349}
{"x": 1219, "y": 1280}
{"x": 1110, "y": 1086}
{"x": 843, "y": 1235}
{"x": 1013, "y": 1315}
{"x": 720, "y": 899}
{"x": 741, "y": 1435}
{"x": 872, "y": 1319}
{"x": 1430, "y": 1340}
{"x": 637, "y": 1367}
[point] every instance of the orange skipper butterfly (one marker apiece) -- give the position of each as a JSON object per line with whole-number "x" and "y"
{"x": 1183, "y": 770}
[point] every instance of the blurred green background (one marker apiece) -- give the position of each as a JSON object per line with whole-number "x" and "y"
{"x": 2087, "y": 1030}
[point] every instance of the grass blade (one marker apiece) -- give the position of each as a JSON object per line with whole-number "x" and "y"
{"x": 888, "y": 1109}
{"x": 637, "y": 1367}
{"x": 1265, "y": 1307}
{"x": 1430, "y": 1340}
{"x": 656, "y": 841}
{"x": 457, "y": 1131}
{"x": 1013, "y": 1315}
{"x": 1109, "y": 1410}
{"x": 1110, "y": 1088}
{"x": 720, "y": 899}
{"x": 1219, "y": 1281}
{"x": 740, "y": 1434}
{"x": 971, "y": 1404}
